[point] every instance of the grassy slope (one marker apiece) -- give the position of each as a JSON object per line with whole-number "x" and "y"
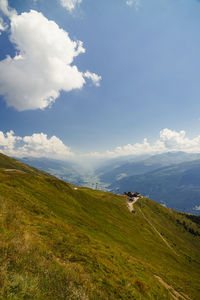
{"x": 8, "y": 163}
{"x": 60, "y": 243}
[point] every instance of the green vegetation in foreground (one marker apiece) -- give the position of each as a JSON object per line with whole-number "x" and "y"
{"x": 58, "y": 242}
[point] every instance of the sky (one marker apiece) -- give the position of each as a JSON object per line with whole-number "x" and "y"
{"x": 85, "y": 78}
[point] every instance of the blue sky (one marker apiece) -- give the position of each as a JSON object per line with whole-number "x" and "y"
{"x": 147, "y": 55}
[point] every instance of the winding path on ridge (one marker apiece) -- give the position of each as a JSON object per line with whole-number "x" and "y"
{"x": 131, "y": 209}
{"x": 173, "y": 293}
{"x": 14, "y": 170}
{"x": 154, "y": 228}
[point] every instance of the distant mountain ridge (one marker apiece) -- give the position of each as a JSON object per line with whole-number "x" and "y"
{"x": 128, "y": 166}
{"x": 176, "y": 186}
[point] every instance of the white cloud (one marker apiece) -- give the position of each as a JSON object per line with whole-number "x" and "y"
{"x": 36, "y": 145}
{"x": 8, "y": 142}
{"x": 197, "y": 207}
{"x": 178, "y": 141}
{"x": 137, "y": 149}
{"x": 42, "y": 66}
{"x": 94, "y": 77}
{"x": 134, "y": 3}
{"x": 39, "y": 145}
{"x": 70, "y": 4}
{"x": 3, "y": 26}
{"x": 169, "y": 141}
{"x": 7, "y": 11}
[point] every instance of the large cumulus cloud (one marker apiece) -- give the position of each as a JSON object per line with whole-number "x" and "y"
{"x": 43, "y": 64}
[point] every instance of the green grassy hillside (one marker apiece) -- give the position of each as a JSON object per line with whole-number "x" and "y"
{"x": 10, "y": 165}
{"x": 62, "y": 242}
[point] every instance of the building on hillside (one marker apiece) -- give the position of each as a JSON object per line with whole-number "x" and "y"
{"x": 132, "y": 194}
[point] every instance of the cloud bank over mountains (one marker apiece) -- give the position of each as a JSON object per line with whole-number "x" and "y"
{"x": 43, "y": 64}
{"x": 39, "y": 145}
{"x": 36, "y": 145}
{"x": 170, "y": 140}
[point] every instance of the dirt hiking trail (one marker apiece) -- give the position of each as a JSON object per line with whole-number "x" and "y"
{"x": 173, "y": 293}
